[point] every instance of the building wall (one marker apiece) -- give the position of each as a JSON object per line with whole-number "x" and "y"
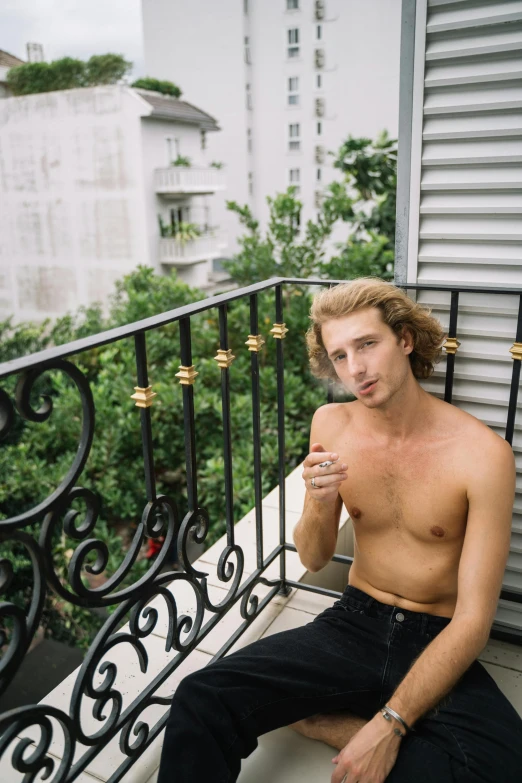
{"x": 201, "y": 46}
{"x": 359, "y": 85}
{"x": 72, "y": 218}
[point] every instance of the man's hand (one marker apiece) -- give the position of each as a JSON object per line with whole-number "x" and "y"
{"x": 370, "y": 754}
{"x": 328, "y": 478}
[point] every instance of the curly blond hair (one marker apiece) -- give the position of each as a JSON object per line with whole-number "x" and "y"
{"x": 398, "y": 311}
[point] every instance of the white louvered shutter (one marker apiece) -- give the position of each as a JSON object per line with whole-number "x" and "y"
{"x": 465, "y": 207}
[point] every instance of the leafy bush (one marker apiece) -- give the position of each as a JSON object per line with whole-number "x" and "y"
{"x": 67, "y": 73}
{"x": 158, "y": 85}
{"x": 182, "y": 160}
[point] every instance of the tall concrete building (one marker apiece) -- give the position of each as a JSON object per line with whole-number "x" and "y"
{"x": 288, "y": 79}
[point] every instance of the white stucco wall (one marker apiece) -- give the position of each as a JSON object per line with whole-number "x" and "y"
{"x": 72, "y": 218}
{"x": 78, "y": 206}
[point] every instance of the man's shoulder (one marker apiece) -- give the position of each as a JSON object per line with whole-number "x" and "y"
{"x": 334, "y": 413}
{"x": 476, "y": 438}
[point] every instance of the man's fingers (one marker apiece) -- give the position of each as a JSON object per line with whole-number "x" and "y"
{"x": 328, "y": 480}
{"x": 317, "y": 447}
{"x": 315, "y": 458}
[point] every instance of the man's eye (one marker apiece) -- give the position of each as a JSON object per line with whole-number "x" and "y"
{"x": 368, "y": 342}
{"x": 339, "y": 356}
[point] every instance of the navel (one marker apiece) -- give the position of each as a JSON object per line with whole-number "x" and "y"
{"x": 355, "y": 513}
{"x": 437, "y": 531}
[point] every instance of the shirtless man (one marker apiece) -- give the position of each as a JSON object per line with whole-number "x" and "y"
{"x": 430, "y": 492}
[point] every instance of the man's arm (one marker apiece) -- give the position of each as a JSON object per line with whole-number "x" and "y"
{"x": 315, "y": 535}
{"x": 491, "y": 491}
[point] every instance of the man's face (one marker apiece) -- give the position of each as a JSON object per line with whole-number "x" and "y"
{"x": 368, "y": 359}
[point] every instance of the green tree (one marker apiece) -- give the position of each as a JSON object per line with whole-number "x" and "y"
{"x": 364, "y": 200}
{"x": 67, "y": 73}
{"x": 370, "y": 170}
{"x": 106, "y": 69}
{"x": 158, "y": 85}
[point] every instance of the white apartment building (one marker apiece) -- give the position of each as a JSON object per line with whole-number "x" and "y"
{"x": 288, "y": 79}
{"x": 86, "y": 179}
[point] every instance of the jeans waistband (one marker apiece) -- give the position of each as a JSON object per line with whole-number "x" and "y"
{"x": 419, "y": 622}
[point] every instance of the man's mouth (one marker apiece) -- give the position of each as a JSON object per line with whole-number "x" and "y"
{"x": 367, "y": 386}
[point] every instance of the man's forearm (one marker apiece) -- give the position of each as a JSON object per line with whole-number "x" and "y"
{"x": 437, "y": 669}
{"x": 315, "y": 535}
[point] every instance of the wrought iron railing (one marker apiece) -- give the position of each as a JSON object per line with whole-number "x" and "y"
{"x": 29, "y": 759}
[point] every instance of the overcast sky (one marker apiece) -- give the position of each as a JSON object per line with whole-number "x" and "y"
{"x": 75, "y": 28}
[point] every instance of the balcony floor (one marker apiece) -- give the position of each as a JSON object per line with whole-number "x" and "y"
{"x": 283, "y": 756}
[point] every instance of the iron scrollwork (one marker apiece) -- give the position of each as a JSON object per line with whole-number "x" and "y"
{"x": 72, "y": 511}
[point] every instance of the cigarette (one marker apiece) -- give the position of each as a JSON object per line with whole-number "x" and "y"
{"x": 327, "y": 463}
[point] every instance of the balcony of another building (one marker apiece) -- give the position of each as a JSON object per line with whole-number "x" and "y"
{"x": 179, "y": 181}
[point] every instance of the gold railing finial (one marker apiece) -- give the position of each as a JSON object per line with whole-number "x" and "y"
{"x": 186, "y": 375}
{"x": 516, "y": 351}
{"x": 451, "y": 345}
{"x": 279, "y": 331}
{"x": 255, "y": 342}
{"x": 224, "y": 358}
{"x": 144, "y": 397}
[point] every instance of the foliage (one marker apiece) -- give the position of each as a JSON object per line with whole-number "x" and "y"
{"x": 217, "y": 164}
{"x": 106, "y": 68}
{"x": 158, "y": 85}
{"x": 364, "y": 200}
{"x": 66, "y": 74}
{"x": 183, "y": 232}
{"x": 370, "y": 168}
{"x": 182, "y": 160}
{"x": 37, "y": 455}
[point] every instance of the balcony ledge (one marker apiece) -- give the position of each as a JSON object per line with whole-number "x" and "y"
{"x": 180, "y": 181}
{"x": 203, "y": 248}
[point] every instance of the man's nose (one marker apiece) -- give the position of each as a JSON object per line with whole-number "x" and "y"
{"x": 356, "y": 366}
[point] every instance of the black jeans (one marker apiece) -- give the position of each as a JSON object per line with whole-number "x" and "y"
{"x": 350, "y": 657}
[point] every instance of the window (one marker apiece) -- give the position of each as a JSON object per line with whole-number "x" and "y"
{"x": 293, "y": 42}
{"x": 293, "y": 86}
{"x": 295, "y": 221}
{"x": 245, "y": 6}
{"x": 319, "y": 32}
{"x": 247, "y": 50}
{"x": 319, "y": 81}
{"x": 203, "y": 136}
{"x": 294, "y": 176}
{"x": 248, "y": 96}
{"x": 292, "y": 5}
{"x": 249, "y": 139}
{"x": 318, "y": 175}
{"x": 250, "y": 183}
{"x": 294, "y": 132}
{"x": 319, "y": 128}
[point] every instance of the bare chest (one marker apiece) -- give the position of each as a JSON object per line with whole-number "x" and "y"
{"x": 418, "y": 495}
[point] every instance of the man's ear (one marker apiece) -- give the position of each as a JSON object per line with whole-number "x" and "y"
{"x": 408, "y": 340}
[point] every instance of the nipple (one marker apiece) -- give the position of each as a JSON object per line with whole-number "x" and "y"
{"x": 437, "y": 531}
{"x": 355, "y": 513}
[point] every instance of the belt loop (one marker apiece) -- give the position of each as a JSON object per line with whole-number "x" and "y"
{"x": 424, "y": 623}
